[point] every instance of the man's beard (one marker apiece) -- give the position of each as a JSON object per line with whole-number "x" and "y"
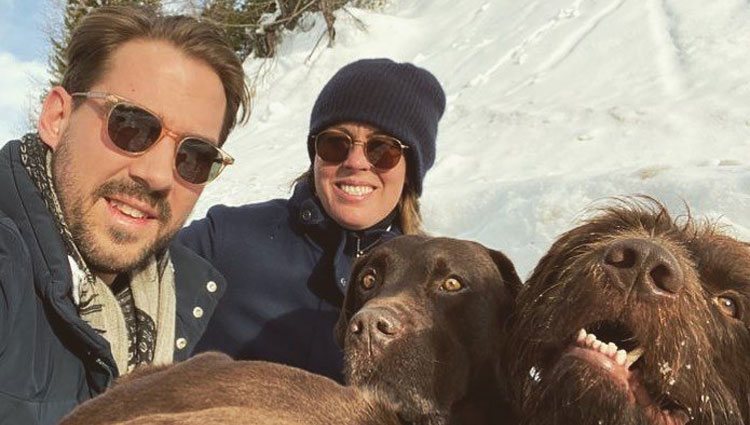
{"x": 98, "y": 258}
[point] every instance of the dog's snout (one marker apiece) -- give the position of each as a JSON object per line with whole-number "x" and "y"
{"x": 380, "y": 326}
{"x": 643, "y": 265}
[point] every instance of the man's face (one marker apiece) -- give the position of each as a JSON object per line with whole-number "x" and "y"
{"x": 121, "y": 208}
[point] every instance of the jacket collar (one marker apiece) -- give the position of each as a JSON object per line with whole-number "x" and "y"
{"x": 309, "y": 216}
{"x": 52, "y": 273}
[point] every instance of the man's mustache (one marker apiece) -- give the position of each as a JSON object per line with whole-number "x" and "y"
{"x": 156, "y": 199}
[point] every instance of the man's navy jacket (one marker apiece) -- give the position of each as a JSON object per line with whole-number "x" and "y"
{"x": 50, "y": 359}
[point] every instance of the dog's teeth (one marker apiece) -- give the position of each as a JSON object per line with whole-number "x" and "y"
{"x": 590, "y": 339}
{"x": 620, "y": 357}
{"x": 609, "y": 349}
{"x": 633, "y": 356}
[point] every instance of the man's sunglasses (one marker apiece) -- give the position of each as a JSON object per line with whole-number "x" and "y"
{"x": 134, "y": 129}
{"x": 382, "y": 151}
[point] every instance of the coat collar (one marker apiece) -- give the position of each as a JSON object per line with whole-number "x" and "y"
{"x": 52, "y": 274}
{"x": 309, "y": 216}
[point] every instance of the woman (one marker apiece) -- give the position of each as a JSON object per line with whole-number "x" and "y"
{"x": 371, "y": 141}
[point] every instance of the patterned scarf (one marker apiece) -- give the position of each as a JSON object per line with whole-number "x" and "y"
{"x": 138, "y": 321}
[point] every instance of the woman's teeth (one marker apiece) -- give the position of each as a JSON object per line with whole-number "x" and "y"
{"x": 356, "y": 190}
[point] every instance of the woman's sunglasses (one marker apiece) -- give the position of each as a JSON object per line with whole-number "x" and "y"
{"x": 134, "y": 129}
{"x": 383, "y": 152}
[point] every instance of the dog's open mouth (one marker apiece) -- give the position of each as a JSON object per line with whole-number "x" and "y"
{"x": 614, "y": 350}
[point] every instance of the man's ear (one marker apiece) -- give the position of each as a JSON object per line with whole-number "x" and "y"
{"x": 53, "y": 120}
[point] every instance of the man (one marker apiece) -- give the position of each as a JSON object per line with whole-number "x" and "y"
{"x": 89, "y": 285}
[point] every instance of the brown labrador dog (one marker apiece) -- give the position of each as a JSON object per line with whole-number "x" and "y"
{"x": 423, "y": 324}
{"x": 634, "y": 318}
{"x": 211, "y": 388}
{"x": 422, "y": 329}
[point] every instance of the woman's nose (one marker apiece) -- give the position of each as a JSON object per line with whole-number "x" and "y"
{"x": 356, "y": 158}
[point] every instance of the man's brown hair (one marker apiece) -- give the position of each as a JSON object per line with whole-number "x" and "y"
{"x": 105, "y": 29}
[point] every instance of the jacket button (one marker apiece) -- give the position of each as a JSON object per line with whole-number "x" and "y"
{"x": 181, "y": 343}
{"x": 198, "y": 312}
{"x": 211, "y": 286}
{"x": 306, "y": 215}
{"x": 342, "y": 281}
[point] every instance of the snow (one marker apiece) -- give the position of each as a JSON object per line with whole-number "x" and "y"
{"x": 554, "y": 106}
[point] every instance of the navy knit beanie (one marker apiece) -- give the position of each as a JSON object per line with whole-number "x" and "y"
{"x": 400, "y": 99}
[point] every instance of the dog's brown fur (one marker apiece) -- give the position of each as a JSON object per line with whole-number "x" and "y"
{"x": 438, "y": 365}
{"x": 232, "y": 392}
{"x": 437, "y": 370}
{"x": 637, "y": 278}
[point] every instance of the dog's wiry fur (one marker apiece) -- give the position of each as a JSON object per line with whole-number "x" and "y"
{"x": 696, "y": 362}
{"x": 437, "y": 369}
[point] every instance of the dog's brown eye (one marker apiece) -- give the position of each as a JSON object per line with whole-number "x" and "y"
{"x": 368, "y": 281}
{"x": 727, "y": 306}
{"x": 451, "y": 285}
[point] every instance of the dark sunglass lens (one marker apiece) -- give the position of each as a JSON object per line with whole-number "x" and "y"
{"x": 133, "y": 129}
{"x": 332, "y": 146}
{"x": 198, "y": 161}
{"x": 383, "y": 153}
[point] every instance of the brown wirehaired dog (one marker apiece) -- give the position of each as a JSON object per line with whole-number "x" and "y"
{"x": 423, "y": 329}
{"x": 633, "y": 318}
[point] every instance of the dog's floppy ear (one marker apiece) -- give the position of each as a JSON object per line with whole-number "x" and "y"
{"x": 507, "y": 271}
{"x": 339, "y": 330}
{"x": 349, "y": 308}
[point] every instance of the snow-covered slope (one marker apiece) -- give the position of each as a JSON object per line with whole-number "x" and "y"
{"x": 552, "y": 105}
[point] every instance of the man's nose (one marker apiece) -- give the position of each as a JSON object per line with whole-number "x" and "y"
{"x": 155, "y": 167}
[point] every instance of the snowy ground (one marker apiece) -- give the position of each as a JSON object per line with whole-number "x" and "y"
{"x": 553, "y": 106}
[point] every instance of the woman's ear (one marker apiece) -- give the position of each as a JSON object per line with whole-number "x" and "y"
{"x": 53, "y": 120}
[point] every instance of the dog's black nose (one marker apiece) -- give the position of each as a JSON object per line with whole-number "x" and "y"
{"x": 643, "y": 265}
{"x": 376, "y": 324}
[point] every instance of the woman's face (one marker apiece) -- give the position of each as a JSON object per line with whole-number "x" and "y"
{"x": 353, "y": 192}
